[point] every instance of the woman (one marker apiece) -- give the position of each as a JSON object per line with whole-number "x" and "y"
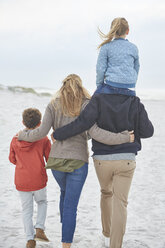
{"x": 69, "y": 159}
{"x": 114, "y": 165}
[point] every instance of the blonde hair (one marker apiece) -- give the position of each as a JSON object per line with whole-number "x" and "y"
{"x": 119, "y": 27}
{"x": 71, "y": 96}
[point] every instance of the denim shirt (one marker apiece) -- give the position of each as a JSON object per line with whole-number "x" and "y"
{"x": 118, "y": 64}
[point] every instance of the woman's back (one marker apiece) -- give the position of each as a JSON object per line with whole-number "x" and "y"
{"x": 73, "y": 148}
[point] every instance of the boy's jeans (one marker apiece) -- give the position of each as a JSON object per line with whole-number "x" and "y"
{"x": 71, "y": 184}
{"x": 40, "y": 197}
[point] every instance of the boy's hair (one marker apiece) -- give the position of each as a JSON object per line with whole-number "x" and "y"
{"x": 31, "y": 117}
{"x": 119, "y": 26}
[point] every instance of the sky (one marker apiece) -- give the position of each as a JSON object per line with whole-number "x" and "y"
{"x": 42, "y": 41}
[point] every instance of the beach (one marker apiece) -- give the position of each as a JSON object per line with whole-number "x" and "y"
{"x": 146, "y": 214}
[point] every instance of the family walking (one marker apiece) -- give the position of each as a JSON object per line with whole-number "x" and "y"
{"x": 113, "y": 117}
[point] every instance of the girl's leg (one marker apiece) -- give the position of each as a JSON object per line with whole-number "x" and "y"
{"x": 27, "y": 211}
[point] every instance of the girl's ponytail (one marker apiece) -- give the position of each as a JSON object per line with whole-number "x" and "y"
{"x": 119, "y": 26}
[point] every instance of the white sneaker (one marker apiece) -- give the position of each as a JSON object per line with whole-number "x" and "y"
{"x": 106, "y": 242}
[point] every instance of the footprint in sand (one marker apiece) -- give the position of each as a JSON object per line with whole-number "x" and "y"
{"x": 135, "y": 244}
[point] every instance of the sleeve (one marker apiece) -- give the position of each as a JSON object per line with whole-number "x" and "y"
{"x": 146, "y": 128}
{"x": 86, "y": 119}
{"x": 41, "y": 131}
{"x": 101, "y": 66}
{"x": 136, "y": 62}
{"x": 12, "y": 157}
{"x": 107, "y": 137}
{"x": 47, "y": 147}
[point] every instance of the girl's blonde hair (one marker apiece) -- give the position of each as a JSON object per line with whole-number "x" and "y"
{"x": 119, "y": 27}
{"x": 71, "y": 96}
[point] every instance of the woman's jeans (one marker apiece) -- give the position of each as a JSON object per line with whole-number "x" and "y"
{"x": 27, "y": 199}
{"x": 108, "y": 89}
{"x": 71, "y": 184}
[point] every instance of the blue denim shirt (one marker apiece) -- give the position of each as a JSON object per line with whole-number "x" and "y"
{"x": 118, "y": 64}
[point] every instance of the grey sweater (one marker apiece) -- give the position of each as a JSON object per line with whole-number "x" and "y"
{"x": 75, "y": 147}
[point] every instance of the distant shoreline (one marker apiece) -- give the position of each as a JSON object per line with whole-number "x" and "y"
{"x": 144, "y": 94}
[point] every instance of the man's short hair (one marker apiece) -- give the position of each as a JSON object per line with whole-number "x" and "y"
{"x": 31, "y": 117}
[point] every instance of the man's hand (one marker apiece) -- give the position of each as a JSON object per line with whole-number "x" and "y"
{"x": 132, "y": 136}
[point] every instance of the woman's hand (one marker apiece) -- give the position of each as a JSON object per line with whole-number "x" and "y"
{"x": 18, "y": 134}
{"x": 52, "y": 138}
{"x": 132, "y": 136}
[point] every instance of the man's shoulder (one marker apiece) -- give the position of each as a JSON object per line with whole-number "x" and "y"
{"x": 114, "y": 97}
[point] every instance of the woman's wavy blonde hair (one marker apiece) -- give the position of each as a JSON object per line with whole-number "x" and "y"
{"x": 119, "y": 27}
{"x": 71, "y": 96}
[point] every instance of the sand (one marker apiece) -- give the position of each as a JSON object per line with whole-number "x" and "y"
{"x": 146, "y": 221}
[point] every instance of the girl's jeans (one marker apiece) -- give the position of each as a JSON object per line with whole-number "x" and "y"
{"x": 40, "y": 198}
{"x": 71, "y": 184}
{"x": 107, "y": 89}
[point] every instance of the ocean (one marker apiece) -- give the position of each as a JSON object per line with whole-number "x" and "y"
{"x": 146, "y": 208}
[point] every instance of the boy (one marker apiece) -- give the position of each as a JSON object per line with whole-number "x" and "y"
{"x": 31, "y": 177}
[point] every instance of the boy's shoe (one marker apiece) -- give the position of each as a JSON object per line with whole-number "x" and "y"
{"x": 40, "y": 235}
{"x": 31, "y": 244}
{"x": 106, "y": 242}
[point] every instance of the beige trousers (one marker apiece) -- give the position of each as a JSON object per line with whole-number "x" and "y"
{"x": 115, "y": 180}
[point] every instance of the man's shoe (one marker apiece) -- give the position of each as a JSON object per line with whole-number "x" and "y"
{"x": 31, "y": 244}
{"x": 40, "y": 235}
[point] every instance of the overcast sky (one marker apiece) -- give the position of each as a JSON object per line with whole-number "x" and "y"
{"x": 41, "y": 41}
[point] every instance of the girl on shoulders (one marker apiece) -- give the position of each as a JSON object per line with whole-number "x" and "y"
{"x": 118, "y": 61}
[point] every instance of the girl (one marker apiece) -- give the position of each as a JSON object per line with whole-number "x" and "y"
{"x": 118, "y": 61}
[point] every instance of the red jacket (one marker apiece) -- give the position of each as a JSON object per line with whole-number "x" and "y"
{"x": 30, "y": 172}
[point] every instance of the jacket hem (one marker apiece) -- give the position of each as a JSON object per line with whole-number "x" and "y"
{"x": 120, "y": 85}
{"x": 30, "y": 189}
